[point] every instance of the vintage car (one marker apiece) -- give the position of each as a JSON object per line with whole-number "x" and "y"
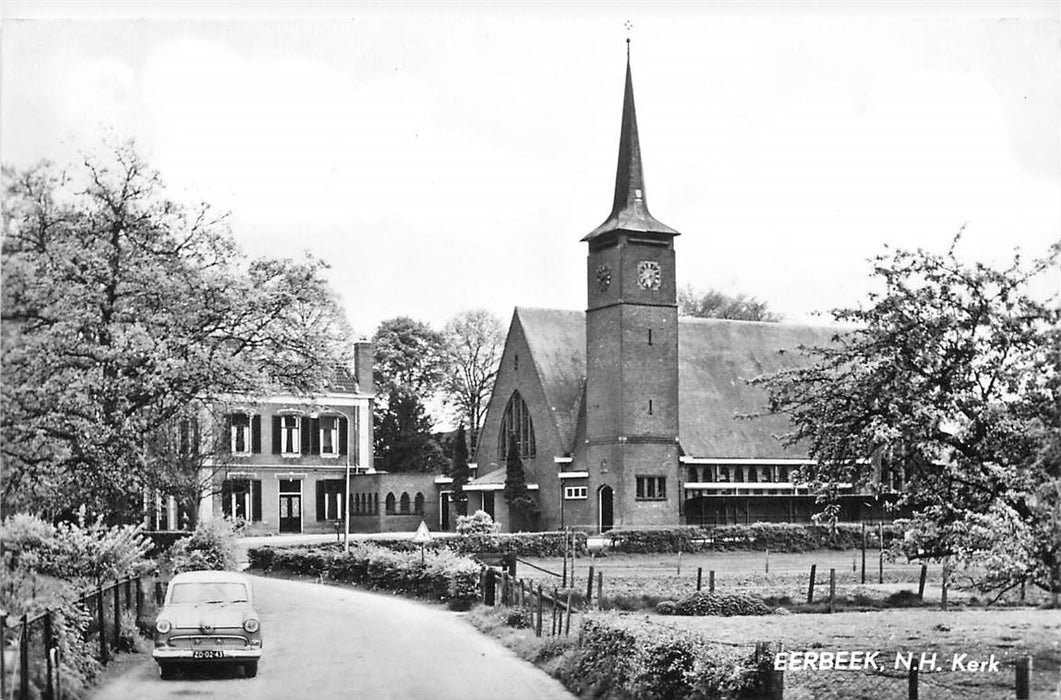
{"x": 208, "y": 617}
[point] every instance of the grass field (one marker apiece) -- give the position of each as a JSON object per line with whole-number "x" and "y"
{"x": 635, "y": 581}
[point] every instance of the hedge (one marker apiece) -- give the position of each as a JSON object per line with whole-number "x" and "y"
{"x": 442, "y": 575}
{"x": 777, "y": 537}
{"x": 615, "y": 660}
{"x": 522, "y": 544}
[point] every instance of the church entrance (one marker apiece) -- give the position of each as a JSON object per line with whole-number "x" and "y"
{"x": 604, "y": 508}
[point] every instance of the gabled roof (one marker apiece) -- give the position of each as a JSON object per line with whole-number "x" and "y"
{"x": 716, "y": 357}
{"x": 557, "y": 341}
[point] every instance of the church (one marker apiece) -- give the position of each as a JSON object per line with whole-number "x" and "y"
{"x": 626, "y": 415}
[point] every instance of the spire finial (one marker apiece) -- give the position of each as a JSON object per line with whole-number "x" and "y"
{"x": 629, "y": 26}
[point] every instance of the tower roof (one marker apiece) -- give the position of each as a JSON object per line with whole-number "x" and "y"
{"x": 630, "y": 207}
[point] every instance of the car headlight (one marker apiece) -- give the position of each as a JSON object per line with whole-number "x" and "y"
{"x": 163, "y": 626}
{"x": 250, "y": 624}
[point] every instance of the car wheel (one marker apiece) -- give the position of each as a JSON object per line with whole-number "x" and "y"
{"x": 250, "y": 669}
{"x": 167, "y": 671}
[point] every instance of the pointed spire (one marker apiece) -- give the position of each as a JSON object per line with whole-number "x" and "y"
{"x": 630, "y": 206}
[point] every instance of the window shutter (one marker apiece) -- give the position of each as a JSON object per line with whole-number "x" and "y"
{"x": 227, "y": 439}
{"x": 276, "y": 435}
{"x": 256, "y": 434}
{"x": 342, "y": 435}
{"x": 315, "y": 436}
{"x": 306, "y": 430}
{"x": 256, "y": 500}
{"x": 226, "y": 498}
{"x": 320, "y": 500}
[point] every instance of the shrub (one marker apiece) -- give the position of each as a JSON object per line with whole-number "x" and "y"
{"x": 777, "y": 537}
{"x": 666, "y": 607}
{"x": 519, "y": 618}
{"x": 479, "y": 523}
{"x": 724, "y": 604}
{"x": 211, "y": 547}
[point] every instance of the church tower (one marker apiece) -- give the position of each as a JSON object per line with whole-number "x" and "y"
{"x": 632, "y": 350}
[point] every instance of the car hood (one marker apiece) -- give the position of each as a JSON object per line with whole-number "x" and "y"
{"x": 217, "y": 616}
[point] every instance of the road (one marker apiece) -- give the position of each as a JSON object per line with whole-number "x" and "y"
{"x": 328, "y": 642}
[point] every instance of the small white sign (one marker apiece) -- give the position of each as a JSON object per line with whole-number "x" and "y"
{"x": 423, "y": 535}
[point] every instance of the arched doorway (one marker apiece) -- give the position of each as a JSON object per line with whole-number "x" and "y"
{"x": 604, "y": 508}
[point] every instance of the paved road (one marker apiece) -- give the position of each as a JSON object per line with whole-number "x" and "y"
{"x": 329, "y": 642}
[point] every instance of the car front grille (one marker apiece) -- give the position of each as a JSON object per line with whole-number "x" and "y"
{"x": 213, "y": 641}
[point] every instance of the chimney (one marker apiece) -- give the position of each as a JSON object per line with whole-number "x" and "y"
{"x": 363, "y": 358}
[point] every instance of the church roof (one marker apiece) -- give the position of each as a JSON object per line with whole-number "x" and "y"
{"x": 557, "y": 341}
{"x": 716, "y": 357}
{"x": 630, "y": 206}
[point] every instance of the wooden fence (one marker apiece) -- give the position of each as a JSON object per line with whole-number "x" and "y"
{"x": 38, "y": 645}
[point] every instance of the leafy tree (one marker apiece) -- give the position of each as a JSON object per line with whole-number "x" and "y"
{"x": 404, "y": 442}
{"x": 120, "y": 308}
{"x": 715, "y": 304}
{"x": 951, "y": 380}
{"x": 408, "y": 367}
{"x": 521, "y": 504}
{"x": 473, "y": 342}
{"x": 460, "y": 472}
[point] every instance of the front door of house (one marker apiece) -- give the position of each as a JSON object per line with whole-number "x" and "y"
{"x": 290, "y": 505}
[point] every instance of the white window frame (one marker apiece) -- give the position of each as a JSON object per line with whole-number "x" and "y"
{"x": 296, "y": 433}
{"x": 576, "y": 493}
{"x": 334, "y": 434}
{"x": 234, "y": 433}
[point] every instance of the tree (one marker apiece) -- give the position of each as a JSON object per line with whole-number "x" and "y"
{"x": 408, "y": 367}
{"x": 951, "y": 380}
{"x": 521, "y": 504}
{"x": 715, "y": 304}
{"x": 473, "y": 342}
{"x": 460, "y": 472}
{"x": 120, "y": 308}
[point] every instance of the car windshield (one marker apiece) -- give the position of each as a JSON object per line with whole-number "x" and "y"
{"x": 206, "y": 592}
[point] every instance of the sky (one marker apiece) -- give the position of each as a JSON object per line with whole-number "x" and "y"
{"x": 449, "y": 156}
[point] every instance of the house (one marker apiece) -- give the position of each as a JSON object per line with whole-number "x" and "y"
{"x": 626, "y": 415}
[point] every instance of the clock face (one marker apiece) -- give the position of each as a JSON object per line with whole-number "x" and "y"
{"x": 648, "y": 274}
{"x": 604, "y": 277}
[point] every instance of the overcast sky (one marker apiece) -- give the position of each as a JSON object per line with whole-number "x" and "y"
{"x": 450, "y": 156}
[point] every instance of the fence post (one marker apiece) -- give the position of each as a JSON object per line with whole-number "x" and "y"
{"x": 911, "y": 683}
{"x": 921, "y": 583}
{"x": 832, "y": 590}
{"x": 101, "y": 618}
{"x": 160, "y": 592}
{"x": 555, "y": 597}
{"x": 538, "y": 629}
{"x": 567, "y": 624}
{"x": 810, "y": 589}
{"x": 944, "y": 585}
{"x": 488, "y": 588}
{"x": 880, "y": 560}
{"x": 711, "y": 581}
{"x": 767, "y": 562}
{"x": 23, "y": 660}
{"x": 49, "y": 641}
{"x": 600, "y": 587}
{"x": 117, "y": 614}
{"x": 863, "y": 552}
{"x": 771, "y": 681}
{"x": 3, "y": 665}
{"x": 139, "y": 600}
{"x": 1024, "y": 678}
{"x": 699, "y": 577}
{"x": 589, "y": 586}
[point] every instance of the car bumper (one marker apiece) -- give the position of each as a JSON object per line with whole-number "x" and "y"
{"x": 229, "y": 655}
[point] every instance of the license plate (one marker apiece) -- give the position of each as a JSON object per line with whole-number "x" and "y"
{"x": 208, "y": 654}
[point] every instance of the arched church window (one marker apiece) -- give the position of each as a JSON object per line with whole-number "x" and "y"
{"x": 418, "y": 504}
{"x": 389, "y": 504}
{"x": 403, "y": 504}
{"x": 516, "y": 421}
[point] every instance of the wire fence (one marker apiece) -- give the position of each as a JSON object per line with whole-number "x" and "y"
{"x": 33, "y": 657}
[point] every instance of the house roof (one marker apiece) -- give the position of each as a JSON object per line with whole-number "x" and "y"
{"x": 716, "y": 357}
{"x": 557, "y": 341}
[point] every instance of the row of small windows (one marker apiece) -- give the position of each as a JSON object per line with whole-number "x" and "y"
{"x": 711, "y": 473}
{"x": 368, "y": 504}
{"x": 242, "y": 499}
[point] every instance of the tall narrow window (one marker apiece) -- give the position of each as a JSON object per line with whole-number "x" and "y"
{"x": 650, "y": 407}
{"x": 516, "y": 421}
{"x": 239, "y": 433}
{"x": 418, "y": 504}
{"x": 403, "y": 504}
{"x": 289, "y": 435}
{"x": 329, "y": 436}
{"x": 389, "y": 504}
{"x": 650, "y": 336}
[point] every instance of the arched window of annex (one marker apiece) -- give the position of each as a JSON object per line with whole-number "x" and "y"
{"x": 516, "y": 421}
{"x": 403, "y": 504}
{"x": 389, "y": 504}
{"x": 418, "y": 503}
